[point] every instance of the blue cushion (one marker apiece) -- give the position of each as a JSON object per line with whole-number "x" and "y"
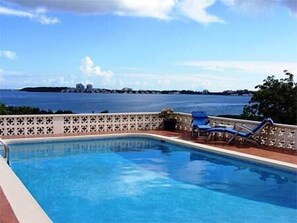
{"x": 217, "y": 130}
{"x": 199, "y": 122}
{"x": 233, "y": 131}
{"x": 201, "y": 127}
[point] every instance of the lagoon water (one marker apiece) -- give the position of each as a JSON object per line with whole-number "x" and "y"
{"x": 87, "y": 103}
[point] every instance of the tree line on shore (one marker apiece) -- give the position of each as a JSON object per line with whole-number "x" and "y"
{"x": 130, "y": 91}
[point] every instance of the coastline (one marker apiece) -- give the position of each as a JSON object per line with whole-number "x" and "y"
{"x": 91, "y": 90}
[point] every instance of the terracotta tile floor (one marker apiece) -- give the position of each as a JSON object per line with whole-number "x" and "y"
{"x": 7, "y": 215}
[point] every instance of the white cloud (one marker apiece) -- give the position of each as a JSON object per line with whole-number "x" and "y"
{"x": 152, "y": 8}
{"x": 43, "y": 19}
{"x": 8, "y": 54}
{"x": 161, "y": 9}
{"x": 10, "y": 79}
{"x": 196, "y": 10}
{"x": 38, "y": 15}
{"x": 266, "y": 67}
{"x": 87, "y": 67}
{"x": 258, "y": 5}
{"x": 199, "y": 80}
{"x": 180, "y": 81}
{"x": 146, "y": 8}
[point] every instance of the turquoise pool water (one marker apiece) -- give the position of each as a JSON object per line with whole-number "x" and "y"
{"x": 146, "y": 180}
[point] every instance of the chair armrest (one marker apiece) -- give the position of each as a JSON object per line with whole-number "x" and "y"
{"x": 239, "y": 127}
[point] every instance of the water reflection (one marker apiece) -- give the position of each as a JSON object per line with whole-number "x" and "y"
{"x": 221, "y": 174}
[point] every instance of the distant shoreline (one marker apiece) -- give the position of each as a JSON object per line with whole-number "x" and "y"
{"x": 130, "y": 91}
{"x": 43, "y": 89}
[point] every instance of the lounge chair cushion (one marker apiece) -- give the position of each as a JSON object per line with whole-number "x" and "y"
{"x": 233, "y": 131}
{"x": 200, "y": 121}
{"x": 216, "y": 130}
{"x": 201, "y": 127}
{"x": 229, "y": 130}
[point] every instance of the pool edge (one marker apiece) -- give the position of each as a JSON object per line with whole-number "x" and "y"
{"x": 257, "y": 159}
{"x": 25, "y": 207}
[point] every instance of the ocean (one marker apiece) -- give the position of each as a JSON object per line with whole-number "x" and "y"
{"x": 88, "y": 103}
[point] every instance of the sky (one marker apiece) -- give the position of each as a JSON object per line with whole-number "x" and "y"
{"x": 146, "y": 44}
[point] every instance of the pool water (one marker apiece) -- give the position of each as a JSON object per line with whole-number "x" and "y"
{"x": 146, "y": 180}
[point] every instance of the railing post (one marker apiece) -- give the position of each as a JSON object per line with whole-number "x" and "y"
{"x": 6, "y": 150}
{"x": 58, "y": 122}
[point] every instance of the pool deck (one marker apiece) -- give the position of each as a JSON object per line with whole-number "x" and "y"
{"x": 6, "y": 212}
{"x": 7, "y": 215}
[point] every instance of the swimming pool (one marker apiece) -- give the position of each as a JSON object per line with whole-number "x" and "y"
{"x": 136, "y": 179}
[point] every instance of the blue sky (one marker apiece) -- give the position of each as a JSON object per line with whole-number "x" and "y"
{"x": 146, "y": 44}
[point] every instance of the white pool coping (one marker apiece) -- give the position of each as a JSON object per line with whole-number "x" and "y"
{"x": 24, "y": 206}
{"x": 27, "y": 210}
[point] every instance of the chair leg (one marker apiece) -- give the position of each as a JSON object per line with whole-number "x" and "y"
{"x": 194, "y": 134}
{"x": 208, "y": 137}
{"x": 231, "y": 139}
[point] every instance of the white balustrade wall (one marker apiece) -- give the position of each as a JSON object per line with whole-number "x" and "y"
{"x": 277, "y": 135}
{"x": 30, "y": 125}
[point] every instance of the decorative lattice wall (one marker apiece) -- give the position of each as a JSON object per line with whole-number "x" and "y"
{"x": 110, "y": 123}
{"x": 26, "y": 125}
{"x": 75, "y": 124}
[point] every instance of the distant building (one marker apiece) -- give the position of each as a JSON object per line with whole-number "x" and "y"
{"x": 126, "y": 89}
{"x": 205, "y": 91}
{"x": 89, "y": 88}
{"x": 80, "y": 87}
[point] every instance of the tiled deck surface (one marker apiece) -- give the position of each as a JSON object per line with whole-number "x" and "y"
{"x": 7, "y": 215}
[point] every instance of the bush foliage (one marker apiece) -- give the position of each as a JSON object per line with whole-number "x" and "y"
{"x": 276, "y": 99}
{"x": 24, "y": 110}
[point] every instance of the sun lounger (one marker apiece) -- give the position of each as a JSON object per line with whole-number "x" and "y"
{"x": 241, "y": 131}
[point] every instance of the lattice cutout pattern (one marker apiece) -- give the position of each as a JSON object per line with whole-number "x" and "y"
{"x": 75, "y": 124}
{"x": 26, "y": 125}
{"x": 110, "y": 123}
